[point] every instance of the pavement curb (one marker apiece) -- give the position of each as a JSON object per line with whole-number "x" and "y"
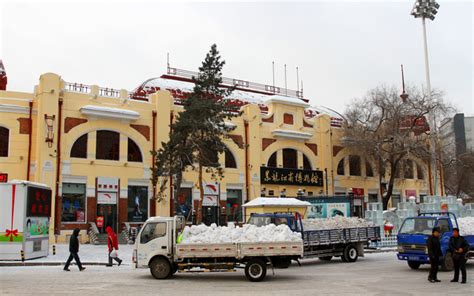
{"x": 13, "y": 264}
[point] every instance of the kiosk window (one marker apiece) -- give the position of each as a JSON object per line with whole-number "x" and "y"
{"x": 152, "y": 231}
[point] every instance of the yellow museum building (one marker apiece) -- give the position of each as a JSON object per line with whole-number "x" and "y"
{"x": 92, "y": 146}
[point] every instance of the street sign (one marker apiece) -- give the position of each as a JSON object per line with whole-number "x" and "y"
{"x": 3, "y": 177}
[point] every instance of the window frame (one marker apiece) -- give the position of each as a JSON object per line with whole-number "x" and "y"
{"x": 7, "y": 142}
{"x": 226, "y": 153}
{"x": 105, "y": 153}
{"x": 86, "y": 136}
{"x": 85, "y": 204}
{"x": 130, "y": 140}
{"x": 151, "y": 239}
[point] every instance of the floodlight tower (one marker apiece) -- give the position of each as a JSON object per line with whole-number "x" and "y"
{"x": 427, "y": 9}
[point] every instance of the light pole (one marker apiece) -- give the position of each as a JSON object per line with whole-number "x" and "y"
{"x": 428, "y": 9}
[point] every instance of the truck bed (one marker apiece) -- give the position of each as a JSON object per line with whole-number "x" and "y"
{"x": 338, "y": 236}
{"x": 239, "y": 250}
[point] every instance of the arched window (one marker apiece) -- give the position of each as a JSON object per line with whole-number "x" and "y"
{"x": 290, "y": 159}
{"x": 306, "y": 163}
{"x": 4, "y": 141}
{"x": 369, "y": 172}
{"x": 133, "y": 152}
{"x": 272, "y": 161}
{"x": 408, "y": 169}
{"x": 229, "y": 159}
{"x": 108, "y": 145}
{"x": 340, "y": 167}
{"x": 79, "y": 148}
{"x": 419, "y": 172}
{"x": 354, "y": 165}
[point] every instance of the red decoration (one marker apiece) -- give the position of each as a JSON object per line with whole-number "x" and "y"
{"x": 12, "y": 232}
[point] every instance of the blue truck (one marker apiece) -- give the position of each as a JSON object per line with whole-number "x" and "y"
{"x": 347, "y": 243}
{"x": 412, "y": 236}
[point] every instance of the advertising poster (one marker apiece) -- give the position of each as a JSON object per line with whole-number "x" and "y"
{"x": 37, "y": 227}
{"x": 137, "y": 207}
{"x": 326, "y": 207}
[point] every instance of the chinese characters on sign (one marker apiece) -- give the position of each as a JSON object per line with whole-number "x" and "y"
{"x": 290, "y": 177}
{"x": 38, "y": 202}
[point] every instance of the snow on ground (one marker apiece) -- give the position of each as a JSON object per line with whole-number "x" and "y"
{"x": 466, "y": 225}
{"x": 337, "y": 222}
{"x": 202, "y": 234}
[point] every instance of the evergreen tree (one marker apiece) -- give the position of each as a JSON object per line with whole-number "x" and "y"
{"x": 196, "y": 137}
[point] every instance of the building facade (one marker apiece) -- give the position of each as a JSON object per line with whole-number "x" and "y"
{"x": 92, "y": 146}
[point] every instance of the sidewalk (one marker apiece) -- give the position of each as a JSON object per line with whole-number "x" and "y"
{"x": 89, "y": 255}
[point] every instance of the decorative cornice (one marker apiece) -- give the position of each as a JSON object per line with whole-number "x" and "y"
{"x": 8, "y": 108}
{"x": 111, "y": 113}
{"x": 291, "y": 134}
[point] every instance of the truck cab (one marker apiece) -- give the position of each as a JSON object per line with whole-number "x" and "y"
{"x": 412, "y": 236}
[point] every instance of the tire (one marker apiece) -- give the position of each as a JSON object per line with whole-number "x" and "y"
{"x": 160, "y": 268}
{"x": 325, "y": 258}
{"x": 350, "y": 254}
{"x": 448, "y": 263}
{"x": 343, "y": 258}
{"x": 414, "y": 264}
{"x": 255, "y": 270}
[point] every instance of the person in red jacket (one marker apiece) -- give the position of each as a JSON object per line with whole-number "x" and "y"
{"x": 112, "y": 243}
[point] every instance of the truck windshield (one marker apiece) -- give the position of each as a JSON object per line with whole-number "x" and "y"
{"x": 418, "y": 226}
{"x": 259, "y": 221}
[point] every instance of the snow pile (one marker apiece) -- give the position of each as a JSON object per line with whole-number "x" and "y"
{"x": 337, "y": 222}
{"x": 466, "y": 225}
{"x": 202, "y": 234}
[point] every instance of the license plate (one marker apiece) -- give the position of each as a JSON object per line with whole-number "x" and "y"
{"x": 414, "y": 258}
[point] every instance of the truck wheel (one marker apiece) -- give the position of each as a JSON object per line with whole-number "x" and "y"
{"x": 325, "y": 258}
{"x": 350, "y": 254}
{"x": 414, "y": 264}
{"x": 448, "y": 264}
{"x": 160, "y": 268}
{"x": 255, "y": 270}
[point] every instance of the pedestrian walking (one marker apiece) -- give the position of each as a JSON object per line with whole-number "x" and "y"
{"x": 74, "y": 250}
{"x": 434, "y": 252}
{"x": 459, "y": 248}
{"x": 112, "y": 244}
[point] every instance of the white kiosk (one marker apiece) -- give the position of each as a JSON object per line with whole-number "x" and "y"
{"x": 25, "y": 211}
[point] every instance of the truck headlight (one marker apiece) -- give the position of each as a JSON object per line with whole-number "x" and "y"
{"x": 426, "y": 250}
{"x": 400, "y": 249}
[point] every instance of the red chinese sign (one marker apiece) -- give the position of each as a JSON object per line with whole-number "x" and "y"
{"x": 99, "y": 221}
{"x": 358, "y": 192}
{"x": 3, "y": 178}
{"x": 38, "y": 202}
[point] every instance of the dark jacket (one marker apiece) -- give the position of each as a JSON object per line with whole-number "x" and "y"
{"x": 434, "y": 247}
{"x": 74, "y": 242}
{"x": 458, "y": 242}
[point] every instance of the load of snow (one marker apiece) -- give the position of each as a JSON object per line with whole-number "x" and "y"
{"x": 338, "y": 222}
{"x": 276, "y": 201}
{"x": 202, "y": 234}
{"x": 466, "y": 225}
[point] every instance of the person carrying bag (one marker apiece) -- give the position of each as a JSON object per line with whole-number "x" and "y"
{"x": 112, "y": 243}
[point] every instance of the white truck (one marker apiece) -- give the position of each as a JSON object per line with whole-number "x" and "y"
{"x": 156, "y": 249}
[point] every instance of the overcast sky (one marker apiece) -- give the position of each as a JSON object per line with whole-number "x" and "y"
{"x": 343, "y": 48}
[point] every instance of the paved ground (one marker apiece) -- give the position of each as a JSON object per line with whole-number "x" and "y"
{"x": 376, "y": 274}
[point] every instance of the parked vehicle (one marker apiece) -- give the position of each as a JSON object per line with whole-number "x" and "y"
{"x": 347, "y": 243}
{"x": 156, "y": 248}
{"x": 412, "y": 236}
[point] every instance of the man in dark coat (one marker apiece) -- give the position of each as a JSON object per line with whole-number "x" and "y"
{"x": 434, "y": 252}
{"x": 459, "y": 248}
{"x": 73, "y": 250}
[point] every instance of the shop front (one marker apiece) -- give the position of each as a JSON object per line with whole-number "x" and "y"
{"x": 107, "y": 199}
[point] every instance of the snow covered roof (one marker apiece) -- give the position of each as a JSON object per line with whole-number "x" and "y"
{"x": 178, "y": 87}
{"x": 276, "y": 201}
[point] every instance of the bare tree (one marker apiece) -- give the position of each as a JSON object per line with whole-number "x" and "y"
{"x": 389, "y": 129}
{"x": 459, "y": 173}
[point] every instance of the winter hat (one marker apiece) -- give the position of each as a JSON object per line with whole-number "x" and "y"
{"x": 435, "y": 229}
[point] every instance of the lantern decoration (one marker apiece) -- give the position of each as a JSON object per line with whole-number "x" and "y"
{"x": 49, "y": 120}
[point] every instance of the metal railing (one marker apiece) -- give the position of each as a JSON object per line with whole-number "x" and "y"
{"x": 109, "y": 92}
{"x": 77, "y": 87}
{"x": 240, "y": 84}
